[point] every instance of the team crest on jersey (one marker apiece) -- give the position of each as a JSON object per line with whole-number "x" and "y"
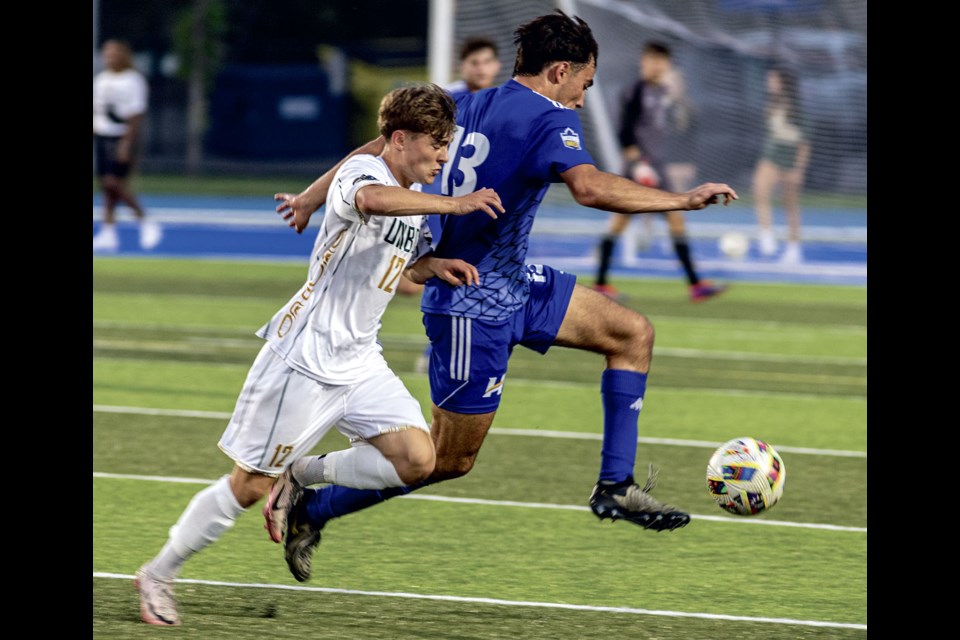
{"x": 571, "y": 139}
{"x": 364, "y": 177}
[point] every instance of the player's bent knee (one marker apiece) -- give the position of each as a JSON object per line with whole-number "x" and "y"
{"x": 637, "y": 335}
{"x": 645, "y": 332}
{"x": 419, "y": 464}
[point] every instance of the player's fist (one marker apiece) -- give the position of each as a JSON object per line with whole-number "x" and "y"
{"x": 642, "y": 173}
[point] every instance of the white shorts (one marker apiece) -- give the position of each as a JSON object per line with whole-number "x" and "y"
{"x": 282, "y": 414}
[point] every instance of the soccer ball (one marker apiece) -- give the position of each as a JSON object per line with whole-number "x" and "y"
{"x": 745, "y": 476}
{"x": 734, "y": 245}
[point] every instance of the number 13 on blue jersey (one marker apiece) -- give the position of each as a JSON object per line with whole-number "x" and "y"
{"x": 466, "y": 165}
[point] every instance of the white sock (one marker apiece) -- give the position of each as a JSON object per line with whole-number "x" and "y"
{"x": 309, "y": 470}
{"x": 360, "y": 467}
{"x": 209, "y": 514}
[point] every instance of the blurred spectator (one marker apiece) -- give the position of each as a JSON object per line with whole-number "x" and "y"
{"x": 479, "y": 66}
{"x": 119, "y": 104}
{"x": 644, "y": 125}
{"x": 786, "y": 152}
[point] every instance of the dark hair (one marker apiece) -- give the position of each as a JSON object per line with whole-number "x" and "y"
{"x": 125, "y": 48}
{"x": 477, "y": 43}
{"x": 789, "y": 95}
{"x": 418, "y": 108}
{"x": 657, "y": 48}
{"x": 555, "y": 37}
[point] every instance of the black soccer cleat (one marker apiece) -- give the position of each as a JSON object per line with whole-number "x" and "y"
{"x": 627, "y": 501}
{"x": 302, "y": 540}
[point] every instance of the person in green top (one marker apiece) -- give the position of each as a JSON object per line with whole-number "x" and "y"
{"x": 786, "y": 151}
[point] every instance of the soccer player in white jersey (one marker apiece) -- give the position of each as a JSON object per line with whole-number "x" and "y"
{"x": 519, "y": 138}
{"x": 321, "y": 364}
{"x": 119, "y": 104}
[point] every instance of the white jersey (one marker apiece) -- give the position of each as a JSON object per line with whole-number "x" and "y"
{"x": 117, "y": 96}
{"x": 328, "y": 329}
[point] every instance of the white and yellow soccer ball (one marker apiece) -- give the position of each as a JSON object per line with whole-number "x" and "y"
{"x": 745, "y": 476}
{"x": 734, "y": 244}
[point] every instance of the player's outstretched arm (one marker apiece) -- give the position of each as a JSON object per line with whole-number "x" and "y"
{"x": 601, "y": 190}
{"x": 451, "y": 270}
{"x": 297, "y": 209}
{"x": 377, "y": 199}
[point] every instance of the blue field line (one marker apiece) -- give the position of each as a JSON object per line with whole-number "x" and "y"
{"x": 248, "y": 228}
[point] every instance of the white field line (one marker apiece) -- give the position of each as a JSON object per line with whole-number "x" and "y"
{"x": 267, "y": 217}
{"x": 552, "y": 384}
{"x": 536, "y": 433}
{"x": 502, "y": 603}
{"x": 589, "y": 263}
{"x": 676, "y": 352}
{"x": 511, "y": 503}
{"x": 730, "y": 324}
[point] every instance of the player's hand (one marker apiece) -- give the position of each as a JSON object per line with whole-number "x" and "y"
{"x": 709, "y": 193}
{"x": 454, "y": 271}
{"x": 294, "y": 210}
{"x": 485, "y": 200}
{"x": 644, "y": 174}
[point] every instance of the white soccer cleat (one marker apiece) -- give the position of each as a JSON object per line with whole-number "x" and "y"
{"x": 151, "y": 234}
{"x": 106, "y": 239}
{"x": 157, "y": 605}
{"x": 793, "y": 254}
{"x": 768, "y": 243}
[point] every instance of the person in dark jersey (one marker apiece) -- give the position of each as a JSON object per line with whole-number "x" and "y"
{"x": 643, "y": 139}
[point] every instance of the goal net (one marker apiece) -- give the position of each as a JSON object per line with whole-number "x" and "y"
{"x": 722, "y": 49}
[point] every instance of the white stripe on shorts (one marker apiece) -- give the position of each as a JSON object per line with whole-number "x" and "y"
{"x": 460, "y": 339}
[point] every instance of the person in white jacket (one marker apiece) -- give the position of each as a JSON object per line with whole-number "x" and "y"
{"x": 120, "y": 97}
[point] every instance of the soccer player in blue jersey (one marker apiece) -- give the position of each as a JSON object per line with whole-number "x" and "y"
{"x": 479, "y": 66}
{"x": 518, "y": 138}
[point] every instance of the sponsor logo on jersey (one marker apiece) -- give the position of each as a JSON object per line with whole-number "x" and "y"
{"x": 571, "y": 139}
{"x": 535, "y": 273}
{"x": 401, "y": 235}
{"x": 363, "y": 178}
{"x": 495, "y": 386}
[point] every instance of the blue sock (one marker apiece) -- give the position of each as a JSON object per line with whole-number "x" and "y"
{"x": 334, "y": 501}
{"x": 622, "y": 395}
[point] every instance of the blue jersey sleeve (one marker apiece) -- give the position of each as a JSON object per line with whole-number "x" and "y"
{"x": 557, "y": 145}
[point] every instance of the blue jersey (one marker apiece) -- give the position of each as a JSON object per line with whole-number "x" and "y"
{"x": 515, "y": 141}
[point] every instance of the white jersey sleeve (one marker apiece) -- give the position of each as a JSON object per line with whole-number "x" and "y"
{"x": 358, "y": 172}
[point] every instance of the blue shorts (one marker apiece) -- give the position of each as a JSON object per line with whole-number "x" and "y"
{"x": 468, "y": 359}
